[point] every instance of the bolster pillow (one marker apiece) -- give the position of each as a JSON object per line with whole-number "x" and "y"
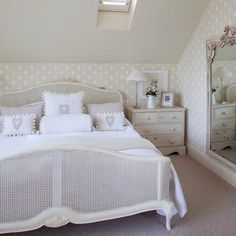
{"x": 65, "y": 124}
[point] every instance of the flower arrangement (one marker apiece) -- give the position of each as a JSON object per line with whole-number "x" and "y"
{"x": 152, "y": 90}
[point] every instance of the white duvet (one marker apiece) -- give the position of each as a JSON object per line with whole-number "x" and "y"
{"x": 176, "y": 193}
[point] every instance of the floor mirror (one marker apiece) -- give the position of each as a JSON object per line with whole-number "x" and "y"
{"x": 221, "y": 56}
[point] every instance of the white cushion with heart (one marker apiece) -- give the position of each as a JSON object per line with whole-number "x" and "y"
{"x": 62, "y": 104}
{"x": 110, "y": 121}
{"x": 18, "y": 125}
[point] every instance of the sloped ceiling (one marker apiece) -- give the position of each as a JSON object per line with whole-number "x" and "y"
{"x": 65, "y": 31}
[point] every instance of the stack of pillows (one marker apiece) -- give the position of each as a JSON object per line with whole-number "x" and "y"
{"x": 63, "y": 113}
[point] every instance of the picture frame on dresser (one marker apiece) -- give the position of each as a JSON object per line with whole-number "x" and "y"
{"x": 167, "y": 99}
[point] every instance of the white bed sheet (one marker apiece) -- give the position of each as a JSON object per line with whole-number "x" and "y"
{"x": 176, "y": 193}
{"x": 24, "y": 140}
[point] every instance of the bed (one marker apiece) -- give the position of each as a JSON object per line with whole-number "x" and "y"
{"x": 81, "y": 177}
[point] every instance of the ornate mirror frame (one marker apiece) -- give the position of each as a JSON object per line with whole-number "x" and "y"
{"x": 226, "y": 40}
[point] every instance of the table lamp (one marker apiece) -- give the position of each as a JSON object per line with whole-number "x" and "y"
{"x": 137, "y": 76}
{"x": 221, "y": 73}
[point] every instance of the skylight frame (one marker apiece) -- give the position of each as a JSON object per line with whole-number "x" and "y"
{"x": 114, "y": 5}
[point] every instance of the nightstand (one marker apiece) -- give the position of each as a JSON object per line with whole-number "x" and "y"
{"x": 164, "y": 127}
{"x": 223, "y": 126}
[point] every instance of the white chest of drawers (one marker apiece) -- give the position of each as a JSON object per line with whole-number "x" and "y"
{"x": 223, "y": 126}
{"x": 164, "y": 127}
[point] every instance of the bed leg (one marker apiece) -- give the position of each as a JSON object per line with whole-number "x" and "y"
{"x": 168, "y": 220}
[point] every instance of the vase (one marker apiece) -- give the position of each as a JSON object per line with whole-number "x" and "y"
{"x": 213, "y": 99}
{"x": 150, "y": 102}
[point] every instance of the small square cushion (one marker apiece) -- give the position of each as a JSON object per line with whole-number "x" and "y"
{"x": 62, "y": 104}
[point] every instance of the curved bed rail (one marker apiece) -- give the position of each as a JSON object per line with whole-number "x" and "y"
{"x": 34, "y": 94}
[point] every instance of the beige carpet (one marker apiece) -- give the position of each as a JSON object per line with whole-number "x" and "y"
{"x": 211, "y": 211}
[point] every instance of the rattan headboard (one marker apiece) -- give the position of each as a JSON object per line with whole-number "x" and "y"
{"x": 31, "y": 95}
{"x": 231, "y": 93}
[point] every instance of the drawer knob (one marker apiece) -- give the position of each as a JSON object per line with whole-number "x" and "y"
{"x": 172, "y": 129}
{"x": 155, "y": 138}
{"x": 174, "y": 117}
{"x": 223, "y": 113}
{"x": 148, "y": 118}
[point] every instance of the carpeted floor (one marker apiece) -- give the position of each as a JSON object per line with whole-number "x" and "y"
{"x": 211, "y": 211}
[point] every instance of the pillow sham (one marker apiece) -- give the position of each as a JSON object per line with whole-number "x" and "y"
{"x": 13, "y": 125}
{"x": 65, "y": 124}
{"x": 33, "y": 108}
{"x": 110, "y": 121}
{"x": 61, "y": 104}
{"x": 93, "y": 109}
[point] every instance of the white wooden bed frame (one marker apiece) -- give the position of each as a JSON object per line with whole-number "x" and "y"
{"x": 56, "y": 217}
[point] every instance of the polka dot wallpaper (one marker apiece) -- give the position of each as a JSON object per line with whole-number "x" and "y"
{"x": 191, "y": 79}
{"x": 17, "y": 76}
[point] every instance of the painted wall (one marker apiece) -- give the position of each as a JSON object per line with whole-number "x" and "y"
{"x": 191, "y": 81}
{"x": 111, "y": 76}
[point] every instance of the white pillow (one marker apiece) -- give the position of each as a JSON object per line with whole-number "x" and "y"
{"x": 61, "y": 104}
{"x": 111, "y": 121}
{"x": 65, "y": 124}
{"x": 33, "y": 108}
{"x": 93, "y": 109}
{"x": 18, "y": 124}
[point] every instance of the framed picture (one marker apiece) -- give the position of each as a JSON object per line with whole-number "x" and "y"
{"x": 157, "y": 78}
{"x": 167, "y": 100}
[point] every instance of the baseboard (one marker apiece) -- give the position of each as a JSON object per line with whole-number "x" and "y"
{"x": 214, "y": 165}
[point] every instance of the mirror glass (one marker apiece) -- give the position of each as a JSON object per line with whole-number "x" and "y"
{"x": 223, "y": 107}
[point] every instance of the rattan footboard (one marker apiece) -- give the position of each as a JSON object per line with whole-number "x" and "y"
{"x": 79, "y": 185}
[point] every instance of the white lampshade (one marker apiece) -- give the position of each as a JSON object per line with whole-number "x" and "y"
{"x": 221, "y": 72}
{"x": 137, "y": 76}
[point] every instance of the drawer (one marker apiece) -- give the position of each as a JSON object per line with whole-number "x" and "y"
{"x": 170, "y": 116}
{"x": 166, "y": 140}
{"x": 222, "y": 124}
{"x": 159, "y": 129}
{"x": 145, "y": 118}
{"x": 222, "y": 135}
{"x": 224, "y": 113}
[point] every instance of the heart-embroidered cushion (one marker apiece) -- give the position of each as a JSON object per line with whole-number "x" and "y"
{"x": 18, "y": 124}
{"x": 110, "y": 121}
{"x": 62, "y": 104}
{"x": 93, "y": 109}
{"x": 34, "y": 108}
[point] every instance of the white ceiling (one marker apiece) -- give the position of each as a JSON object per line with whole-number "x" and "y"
{"x": 65, "y": 31}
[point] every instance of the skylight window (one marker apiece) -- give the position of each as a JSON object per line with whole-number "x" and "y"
{"x": 114, "y": 5}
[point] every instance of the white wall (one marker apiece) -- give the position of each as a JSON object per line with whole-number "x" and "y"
{"x": 191, "y": 80}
